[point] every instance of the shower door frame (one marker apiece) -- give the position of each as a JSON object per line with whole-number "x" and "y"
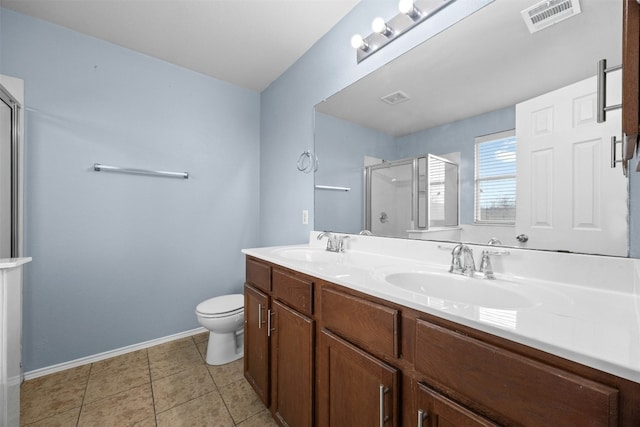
{"x": 15, "y": 134}
{"x": 367, "y": 186}
{"x": 415, "y": 182}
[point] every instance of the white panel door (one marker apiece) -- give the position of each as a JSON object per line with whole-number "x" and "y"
{"x": 569, "y": 197}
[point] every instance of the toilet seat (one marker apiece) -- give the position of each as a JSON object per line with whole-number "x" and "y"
{"x": 226, "y": 305}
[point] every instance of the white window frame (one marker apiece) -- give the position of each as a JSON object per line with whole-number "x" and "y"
{"x": 478, "y": 180}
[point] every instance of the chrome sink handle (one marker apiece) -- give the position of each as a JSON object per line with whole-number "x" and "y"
{"x": 485, "y": 266}
{"x": 340, "y": 247}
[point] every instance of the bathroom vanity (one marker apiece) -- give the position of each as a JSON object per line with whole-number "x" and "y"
{"x": 348, "y": 339}
{"x": 10, "y": 339}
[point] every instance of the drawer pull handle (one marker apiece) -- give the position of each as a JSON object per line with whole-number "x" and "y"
{"x": 383, "y": 390}
{"x": 269, "y": 329}
{"x": 422, "y": 417}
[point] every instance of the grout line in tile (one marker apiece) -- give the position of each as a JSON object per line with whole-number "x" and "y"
{"x": 84, "y": 395}
{"x": 221, "y": 397}
{"x": 153, "y": 398}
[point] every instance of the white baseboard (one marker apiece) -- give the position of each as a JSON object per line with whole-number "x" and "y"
{"x": 107, "y": 354}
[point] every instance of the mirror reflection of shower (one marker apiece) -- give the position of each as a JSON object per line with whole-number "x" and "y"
{"x": 409, "y": 196}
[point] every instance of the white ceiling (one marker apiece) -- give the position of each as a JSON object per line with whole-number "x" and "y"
{"x": 486, "y": 62}
{"x": 249, "y": 43}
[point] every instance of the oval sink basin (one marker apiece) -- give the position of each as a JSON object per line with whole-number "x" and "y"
{"x": 309, "y": 255}
{"x": 461, "y": 289}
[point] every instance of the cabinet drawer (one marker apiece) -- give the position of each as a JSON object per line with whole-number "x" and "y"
{"x": 258, "y": 274}
{"x": 371, "y": 326}
{"x": 522, "y": 390}
{"x": 294, "y": 291}
{"x": 435, "y": 409}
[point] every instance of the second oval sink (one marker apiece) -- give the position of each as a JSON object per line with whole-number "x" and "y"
{"x": 461, "y": 289}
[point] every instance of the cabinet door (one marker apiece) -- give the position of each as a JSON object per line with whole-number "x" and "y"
{"x": 292, "y": 341}
{"x": 354, "y": 388}
{"x": 435, "y": 410}
{"x": 256, "y": 341}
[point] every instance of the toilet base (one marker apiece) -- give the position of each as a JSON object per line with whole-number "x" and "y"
{"x": 225, "y": 348}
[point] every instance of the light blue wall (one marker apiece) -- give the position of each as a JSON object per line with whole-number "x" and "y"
{"x": 459, "y": 136}
{"x": 343, "y": 145}
{"x": 122, "y": 259}
{"x": 287, "y": 109}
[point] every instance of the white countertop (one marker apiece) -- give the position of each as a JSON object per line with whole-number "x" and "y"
{"x": 13, "y": 262}
{"x": 596, "y": 324}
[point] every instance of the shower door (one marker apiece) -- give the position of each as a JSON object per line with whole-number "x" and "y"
{"x": 389, "y": 198}
{"x": 9, "y": 109}
{"x": 411, "y": 195}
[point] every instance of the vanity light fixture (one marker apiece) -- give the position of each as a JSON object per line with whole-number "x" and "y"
{"x": 411, "y": 14}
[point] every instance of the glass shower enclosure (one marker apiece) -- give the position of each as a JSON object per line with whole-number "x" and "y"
{"x": 9, "y": 128}
{"x": 408, "y": 195}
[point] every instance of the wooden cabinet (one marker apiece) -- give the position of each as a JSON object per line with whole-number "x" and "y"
{"x": 321, "y": 354}
{"x": 280, "y": 341}
{"x": 256, "y": 342}
{"x": 292, "y": 344}
{"x": 354, "y": 388}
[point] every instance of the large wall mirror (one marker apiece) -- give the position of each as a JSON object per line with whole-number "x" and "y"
{"x": 488, "y": 83}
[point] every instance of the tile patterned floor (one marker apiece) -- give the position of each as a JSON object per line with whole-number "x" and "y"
{"x": 168, "y": 385}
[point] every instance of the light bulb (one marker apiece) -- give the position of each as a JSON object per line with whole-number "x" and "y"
{"x": 379, "y": 26}
{"x": 357, "y": 42}
{"x": 405, "y": 6}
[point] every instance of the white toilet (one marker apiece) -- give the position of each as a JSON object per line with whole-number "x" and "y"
{"x": 224, "y": 318}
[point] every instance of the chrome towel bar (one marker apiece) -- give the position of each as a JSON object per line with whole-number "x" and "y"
{"x": 330, "y": 187}
{"x": 99, "y": 167}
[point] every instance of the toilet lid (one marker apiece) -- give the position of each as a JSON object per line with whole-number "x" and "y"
{"x": 223, "y": 304}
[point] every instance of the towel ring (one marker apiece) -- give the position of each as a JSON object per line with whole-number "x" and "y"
{"x": 308, "y": 162}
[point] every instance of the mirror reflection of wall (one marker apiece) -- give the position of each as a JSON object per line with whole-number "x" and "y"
{"x": 345, "y": 144}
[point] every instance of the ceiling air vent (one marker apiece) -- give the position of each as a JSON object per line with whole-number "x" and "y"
{"x": 395, "y": 98}
{"x": 549, "y": 12}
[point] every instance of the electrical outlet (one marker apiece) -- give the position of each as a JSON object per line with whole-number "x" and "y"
{"x": 305, "y": 216}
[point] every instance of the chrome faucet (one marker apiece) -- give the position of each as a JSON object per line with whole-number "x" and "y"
{"x": 334, "y": 243}
{"x": 331, "y": 240}
{"x": 486, "y": 269}
{"x": 462, "y": 260}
